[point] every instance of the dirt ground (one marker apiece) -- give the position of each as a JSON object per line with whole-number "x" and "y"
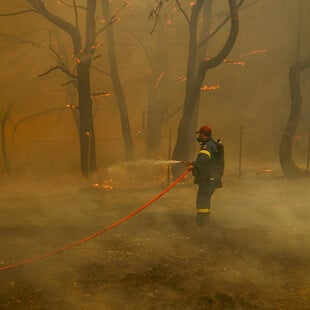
{"x": 253, "y": 254}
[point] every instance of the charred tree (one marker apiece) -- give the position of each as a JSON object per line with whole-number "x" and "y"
{"x": 84, "y": 55}
{"x": 187, "y": 126}
{"x": 5, "y": 157}
{"x": 119, "y": 93}
{"x": 288, "y": 165}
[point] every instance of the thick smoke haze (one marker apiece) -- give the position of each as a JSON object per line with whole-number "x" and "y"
{"x": 255, "y": 252}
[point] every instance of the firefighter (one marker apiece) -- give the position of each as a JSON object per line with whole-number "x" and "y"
{"x": 205, "y": 173}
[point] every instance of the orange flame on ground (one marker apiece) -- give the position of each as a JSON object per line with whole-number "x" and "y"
{"x": 71, "y": 106}
{"x": 107, "y": 184}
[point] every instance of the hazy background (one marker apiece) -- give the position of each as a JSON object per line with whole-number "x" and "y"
{"x": 255, "y": 252}
{"x": 254, "y": 94}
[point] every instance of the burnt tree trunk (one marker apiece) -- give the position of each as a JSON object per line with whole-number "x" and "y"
{"x": 119, "y": 93}
{"x": 288, "y": 166}
{"x": 201, "y": 54}
{"x": 87, "y": 134}
{"x": 182, "y": 150}
{"x": 5, "y": 158}
{"x": 84, "y": 57}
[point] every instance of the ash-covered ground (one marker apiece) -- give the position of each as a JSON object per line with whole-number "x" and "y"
{"x": 254, "y": 253}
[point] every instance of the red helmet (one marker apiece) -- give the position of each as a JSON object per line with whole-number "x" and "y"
{"x": 206, "y": 130}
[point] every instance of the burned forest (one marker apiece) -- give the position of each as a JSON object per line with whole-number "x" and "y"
{"x": 109, "y": 110}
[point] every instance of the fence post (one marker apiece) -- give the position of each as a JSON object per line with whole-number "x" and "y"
{"x": 308, "y": 150}
{"x": 169, "y": 157}
{"x": 240, "y": 150}
{"x": 89, "y": 152}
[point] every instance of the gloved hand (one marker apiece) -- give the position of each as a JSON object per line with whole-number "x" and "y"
{"x": 187, "y": 163}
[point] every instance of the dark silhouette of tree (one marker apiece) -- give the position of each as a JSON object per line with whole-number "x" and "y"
{"x": 118, "y": 89}
{"x": 84, "y": 55}
{"x": 195, "y": 76}
{"x": 289, "y": 168}
{"x": 5, "y": 157}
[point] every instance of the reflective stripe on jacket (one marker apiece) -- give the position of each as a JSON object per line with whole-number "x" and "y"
{"x": 204, "y": 163}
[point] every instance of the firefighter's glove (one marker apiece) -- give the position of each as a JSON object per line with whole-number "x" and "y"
{"x": 188, "y": 164}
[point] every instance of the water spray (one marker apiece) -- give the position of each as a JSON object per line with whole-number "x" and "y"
{"x": 144, "y": 162}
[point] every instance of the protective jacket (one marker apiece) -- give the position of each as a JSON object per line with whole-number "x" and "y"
{"x": 205, "y": 163}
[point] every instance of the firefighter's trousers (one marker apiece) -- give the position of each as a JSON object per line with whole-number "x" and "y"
{"x": 203, "y": 203}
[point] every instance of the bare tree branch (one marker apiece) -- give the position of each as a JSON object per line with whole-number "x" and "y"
{"x": 19, "y": 13}
{"x": 101, "y": 71}
{"x": 58, "y": 21}
{"x": 113, "y": 18}
{"x": 182, "y": 11}
{"x": 19, "y": 40}
{"x": 33, "y": 116}
{"x": 218, "y": 27}
{"x": 76, "y": 15}
{"x": 72, "y": 6}
{"x": 57, "y": 68}
{"x": 155, "y": 12}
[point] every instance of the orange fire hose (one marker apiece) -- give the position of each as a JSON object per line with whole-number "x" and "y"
{"x": 94, "y": 235}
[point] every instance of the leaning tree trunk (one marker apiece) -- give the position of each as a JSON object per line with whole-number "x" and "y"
{"x": 288, "y": 166}
{"x": 201, "y": 54}
{"x": 185, "y": 134}
{"x": 122, "y": 106}
{"x": 6, "y": 163}
{"x": 87, "y": 133}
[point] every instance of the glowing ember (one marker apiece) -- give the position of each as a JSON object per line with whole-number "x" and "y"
{"x": 158, "y": 80}
{"x": 206, "y": 87}
{"x": 265, "y": 171}
{"x": 71, "y": 106}
{"x": 107, "y": 184}
{"x": 96, "y": 45}
{"x": 241, "y": 63}
{"x": 254, "y": 53}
